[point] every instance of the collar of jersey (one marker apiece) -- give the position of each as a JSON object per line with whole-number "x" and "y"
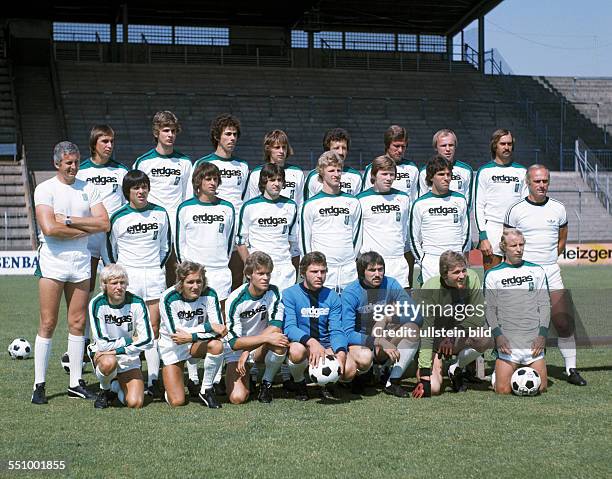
{"x": 248, "y": 293}
{"x": 331, "y": 195}
{"x": 441, "y": 196}
{"x": 190, "y": 300}
{"x": 534, "y": 203}
{"x": 364, "y": 286}
{"x": 148, "y": 207}
{"x": 93, "y": 164}
{"x": 267, "y": 200}
{"x": 514, "y": 265}
{"x": 116, "y": 306}
{"x": 216, "y": 202}
{"x": 495, "y": 163}
{"x": 309, "y": 291}
{"x": 217, "y": 157}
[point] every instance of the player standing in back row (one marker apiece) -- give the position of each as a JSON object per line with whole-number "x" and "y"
{"x": 338, "y": 141}
{"x": 169, "y": 173}
{"x": 406, "y": 179}
{"x": 106, "y": 175}
{"x": 499, "y": 183}
{"x": 224, "y": 134}
{"x": 543, "y": 221}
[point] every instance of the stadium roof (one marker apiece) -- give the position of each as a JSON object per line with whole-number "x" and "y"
{"x": 399, "y": 16}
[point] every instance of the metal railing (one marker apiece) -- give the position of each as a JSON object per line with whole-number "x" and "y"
{"x": 587, "y": 165}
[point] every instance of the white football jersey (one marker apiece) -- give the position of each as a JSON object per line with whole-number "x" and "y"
{"x": 107, "y": 179}
{"x": 269, "y": 226}
{"x": 384, "y": 222}
{"x": 439, "y": 223}
{"x": 248, "y": 315}
{"x": 114, "y": 327}
{"x": 234, "y": 176}
{"x": 192, "y": 316}
{"x": 540, "y": 224}
{"x": 461, "y": 180}
{"x": 518, "y": 303}
{"x": 170, "y": 177}
{"x": 139, "y": 238}
{"x": 294, "y": 184}
{"x": 76, "y": 199}
{"x": 350, "y": 182}
{"x": 330, "y": 224}
{"x": 205, "y": 232}
{"x": 406, "y": 178}
{"x": 497, "y": 187}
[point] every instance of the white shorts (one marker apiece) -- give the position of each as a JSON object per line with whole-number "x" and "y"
{"x": 125, "y": 362}
{"x": 520, "y": 356}
{"x": 65, "y": 266}
{"x": 231, "y": 356}
{"x": 553, "y": 276}
{"x": 397, "y": 268}
{"x": 221, "y": 281}
{"x": 96, "y": 244}
{"x": 494, "y": 234}
{"x": 283, "y": 276}
{"x": 172, "y": 353}
{"x": 148, "y": 283}
{"x": 339, "y": 276}
{"x": 430, "y": 266}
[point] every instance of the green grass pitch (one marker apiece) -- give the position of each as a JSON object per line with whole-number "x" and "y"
{"x": 566, "y": 432}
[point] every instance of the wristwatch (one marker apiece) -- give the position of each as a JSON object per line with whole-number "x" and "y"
{"x": 68, "y": 221}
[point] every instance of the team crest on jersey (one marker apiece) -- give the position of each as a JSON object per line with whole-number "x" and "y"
{"x": 177, "y": 180}
{"x": 221, "y": 227}
{"x": 455, "y": 218}
{"x": 398, "y": 216}
{"x": 516, "y": 188}
{"x": 85, "y": 197}
{"x": 347, "y": 220}
{"x": 531, "y": 286}
{"x": 115, "y": 187}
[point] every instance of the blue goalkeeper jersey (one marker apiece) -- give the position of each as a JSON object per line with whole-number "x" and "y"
{"x": 361, "y": 305}
{"x": 314, "y": 314}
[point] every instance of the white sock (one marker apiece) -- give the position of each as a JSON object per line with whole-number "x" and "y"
{"x": 76, "y": 348}
{"x": 407, "y": 350}
{"x": 273, "y": 364}
{"x": 285, "y": 372}
{"x": 466, "y": 356}
{"x": 42, "y": 351}
{"x": 212, "y": 365}
{"x": 118, "y": 390}
{"x": 217, "y": 379}
{"x": 192, "y": 369}
{"x": 152, "y": 357}
{"x": 567, "y": 346}
{"x": 105, "y": 381}
{"x": 297, "y": 369}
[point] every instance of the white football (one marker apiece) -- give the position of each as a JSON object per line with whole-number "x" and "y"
{"x": 20, "y": 349}
{"x": 328, "y": 371}
{"x": 66, "y": 363}
{"x": 526, "y": 382}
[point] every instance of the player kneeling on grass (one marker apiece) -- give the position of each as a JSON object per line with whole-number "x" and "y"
{"x": 121, "y": 330}
{"x": 254, "y": 314}
{"x": 452, "y": 301}
{"x": 518, "y": 312}
{"x": 381, "y": 323}
{"x": 313, "y": 322}
{"x": 191, "y": 327}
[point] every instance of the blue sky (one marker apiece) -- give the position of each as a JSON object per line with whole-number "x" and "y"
{"x": 553, "y": 37}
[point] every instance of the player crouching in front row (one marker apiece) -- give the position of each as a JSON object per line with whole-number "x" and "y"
{"x": 121, "y": 330}
{"x": 373, "y": 334}
{"x": 518, "y": 312}
{"x": 313, "y": 323}
{"x": 254, "y": 314}
{"x": 191, "y": 327}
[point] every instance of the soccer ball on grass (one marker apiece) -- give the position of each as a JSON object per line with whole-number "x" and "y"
{"x": 19, "y": 349}
{"x": 328, "y": 371}
{"x": 66, "y": 363}
{"x": 526, "y": 382}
